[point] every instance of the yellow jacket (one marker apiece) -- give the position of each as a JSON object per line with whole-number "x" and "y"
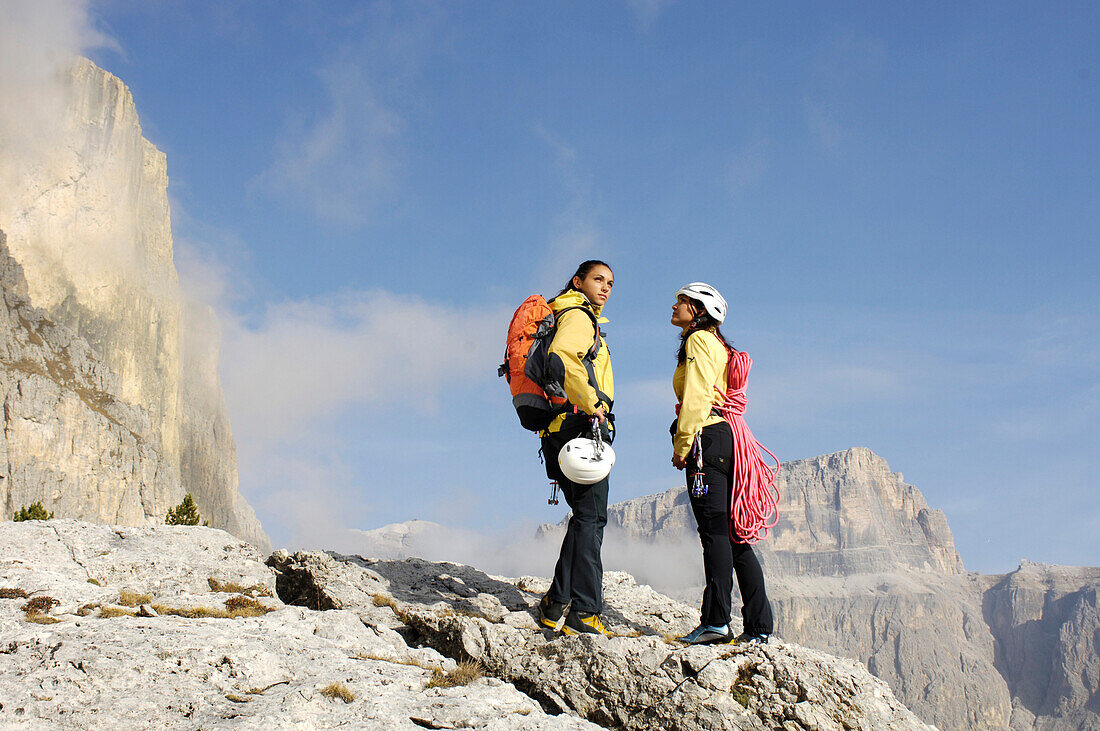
{"x": 705, "y": 366}
{"x": 572, "y": 341}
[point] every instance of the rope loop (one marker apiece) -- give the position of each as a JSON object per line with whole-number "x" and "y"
{"x": 755, "y": 496}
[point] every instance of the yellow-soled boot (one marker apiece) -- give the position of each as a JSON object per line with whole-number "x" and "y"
{"x": 578, "y": 623}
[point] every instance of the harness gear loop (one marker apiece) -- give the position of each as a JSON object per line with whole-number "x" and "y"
{"x": 698, "y": 486}
{"x": 553, "y": 493}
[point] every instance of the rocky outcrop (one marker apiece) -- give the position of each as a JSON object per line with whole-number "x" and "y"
{"x": 175, "y": 627}
{"x": 637, "y": 679}
{"x": 1046, "y": 621}
{"x": 178, "y": 627}
{"x": 88, "y": 220}
{"x": 68, "y": 441}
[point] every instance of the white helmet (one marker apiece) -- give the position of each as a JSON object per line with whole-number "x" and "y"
{"x": 713, "y": 302}
{"x": 584, "y": 461}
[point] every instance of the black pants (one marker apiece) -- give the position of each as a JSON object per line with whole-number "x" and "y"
{"x": 578, "y": 575}
{"x": 722, "y": 555}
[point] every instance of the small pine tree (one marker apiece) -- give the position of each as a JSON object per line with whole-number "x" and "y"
{"x": 185, "y": 513}
{"x": 34, "y": 511}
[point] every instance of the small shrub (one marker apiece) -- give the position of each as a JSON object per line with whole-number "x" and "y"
{"x": 34, "y": 511}
{"x": 12, "y": 593}
{"x": 185, "y": 513}
{"x": 338, "y": 690}
{"x": 94, "y": 581}
{"x": 467, "y": 672}
{"x": 236, "y": 698}
{"x": 40, "y": 605}
{"x": 129, "y": 598}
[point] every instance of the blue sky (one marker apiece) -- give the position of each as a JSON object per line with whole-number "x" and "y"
{"x": 901, "y": 203}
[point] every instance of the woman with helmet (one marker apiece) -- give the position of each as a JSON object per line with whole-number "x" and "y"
{"x": 700, "y": 382}
{"x": 590, "y": 389}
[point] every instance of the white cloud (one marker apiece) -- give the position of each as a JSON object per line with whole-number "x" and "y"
{"x": 313, "y": 358}
{"x": 348, "y": 161}
{"x": 575, "y": 237}
{"x": 647, "y": 11}
{"x": 38, "y": 40}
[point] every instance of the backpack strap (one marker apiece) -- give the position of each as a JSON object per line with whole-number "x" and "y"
{"x": 590, "y": 356}
{"x": 595, "y": 324}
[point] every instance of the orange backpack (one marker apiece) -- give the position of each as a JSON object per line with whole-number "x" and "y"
{"x": 536, "y": 394}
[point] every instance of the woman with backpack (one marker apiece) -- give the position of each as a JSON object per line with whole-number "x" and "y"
{"x": 579, "y": 359}
{"x": 721, "y": 459}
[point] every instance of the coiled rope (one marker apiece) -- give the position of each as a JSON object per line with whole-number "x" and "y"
{"x": 753, "y": 506}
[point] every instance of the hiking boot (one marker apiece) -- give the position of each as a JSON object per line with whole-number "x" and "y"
{"x": 578, "y": 623}
{"x": 705, "y": 634}
{"x": 750, "y": 638}
{"x": 551, "y": 613}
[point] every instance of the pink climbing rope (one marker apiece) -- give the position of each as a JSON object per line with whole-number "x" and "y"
{"x": 752, "y": 505}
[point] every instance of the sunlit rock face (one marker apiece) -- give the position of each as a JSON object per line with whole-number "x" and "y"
{"x": 84, "y": 205}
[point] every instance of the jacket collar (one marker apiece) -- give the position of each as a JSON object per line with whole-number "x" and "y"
{"x": 573, "y": 298}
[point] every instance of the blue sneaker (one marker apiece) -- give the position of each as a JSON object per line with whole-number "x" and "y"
{"x": 705, "y": 634}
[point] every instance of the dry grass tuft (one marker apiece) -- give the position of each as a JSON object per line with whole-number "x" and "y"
{"x": 467, "y": 672}
{"x": 671, "y": 639}
{"x": 412, "y": 662}
{"x": 129, "y": 598}
{"x": 192, "y": 612}
{"x": 243, "y": 606}
{"x": 36, "y": 618}
{"x": 229, "y": 587}
{"x": 385, "y": 600}
{"x": 12, "y": 593}
{"x": 236, "y": 698}
{"x": 338, "y": 690}
{"x": 94, "y": 581}
{"x": 112, "y": 612}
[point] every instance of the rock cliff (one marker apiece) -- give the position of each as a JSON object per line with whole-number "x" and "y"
{"x": 87, "y": 218}
{"x": 187, "y": 628}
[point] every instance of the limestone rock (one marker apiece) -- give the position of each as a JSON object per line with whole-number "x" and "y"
{"x": 1046, "y": 621}
{"x": 68, "y": 440}
{"x": 841, "y": 514}
{"x": 637, "y": 679}
{"x": 87, "y": 218}
{"x": 72, "y": 668}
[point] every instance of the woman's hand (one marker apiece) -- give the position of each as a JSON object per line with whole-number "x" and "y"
{"x": 679, "y": 462}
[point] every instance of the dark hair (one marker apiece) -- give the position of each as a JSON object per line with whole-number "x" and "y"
{"x": 582, "y": 272}
{"x": 702, "y": 321}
